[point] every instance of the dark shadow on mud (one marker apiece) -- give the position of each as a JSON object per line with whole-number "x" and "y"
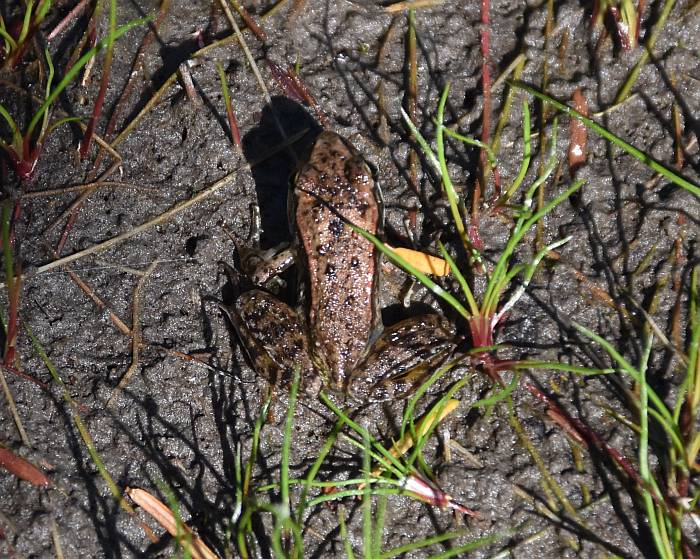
{"x": 273, "y": 150}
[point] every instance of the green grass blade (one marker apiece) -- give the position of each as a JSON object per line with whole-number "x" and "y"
{"x": 409, "y": 413}
{"x": 78, "y": 420}
{"x": 497, "y": 281}
{"x": 475, "y": 544}
{"x": 450, "y": 192}
{"x": 366, "y": 499}
{"x": 10, "y": 43}
{"x": 534, "y": 364}
{"x": 496, "y": 285}
{"x": 76, "y": 68}
{"x": 644, "y": 57}
{"x": 347, "y": 542}
{"x": 25, "y": 22}
{"x": 382, "y": 503}
{"x": 527, "y": 156}
{"x": 644, "y": 469}
{"x": 471, "y": 301}
{"x": 61, "y": 122}
{"x": 420, "y": 276}
{"x": 490, "y": 156}
{"x": 16, "y": 136}
{"x": 619, "y": 142}
{"x": 529, "y": 273}
{"x": 388, "y": 461}
{"x": 660, "y": 411}
{"x": 499, "y": 396}
{"x": 284, "y": 514}
{"x": 313, "y": 471}
{"x": 425, "y": 147}
{"x": 693, "y": 347}
{"x": 42, "y": 10}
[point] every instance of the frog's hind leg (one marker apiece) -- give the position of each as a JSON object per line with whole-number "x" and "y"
{"x": 272, "y": 336}
{"x": 401, "y": 358}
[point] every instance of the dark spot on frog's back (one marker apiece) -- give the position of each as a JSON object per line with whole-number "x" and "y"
{"x": 336, "y": 227}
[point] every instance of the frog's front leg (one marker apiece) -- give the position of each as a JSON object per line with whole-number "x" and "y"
{"x": 274, "y": 339}
{"x": 259, "y": 265}
{"x": 268, "y": 264}
{"x": 401, "y": 358}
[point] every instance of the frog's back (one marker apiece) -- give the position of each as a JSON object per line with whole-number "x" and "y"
{"x": 342, "y": 265}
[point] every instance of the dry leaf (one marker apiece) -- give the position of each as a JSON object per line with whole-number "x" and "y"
{"x": 423, "y": 262}
{"x": 164, "y": 516}
{"x": 22, "y": 468}
{"x": 578, "y": 134}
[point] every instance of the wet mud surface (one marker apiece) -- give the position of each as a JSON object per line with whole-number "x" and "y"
{"x": 179, "y": 423}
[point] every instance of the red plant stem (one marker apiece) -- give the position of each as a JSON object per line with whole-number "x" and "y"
{"x": 295, "y": 89}
{"x": 99, "y": 102}
{"x": 25, "y": 376}
{"x": 130, "y": 84}
{"x": 72, "y": 218}
{"x": 14, "y": 288}
{"x": 16, "y": 213}
{"x": 250, "y": 22}
{"x": 233, "y": 124}
{"x": 75, "y": 12}
{"x": 591, "y": 438}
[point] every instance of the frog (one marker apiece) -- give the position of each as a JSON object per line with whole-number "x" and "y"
{"x": 335, "y": 338}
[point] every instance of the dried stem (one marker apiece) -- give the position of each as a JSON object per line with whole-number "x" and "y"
{"x": 177, "y": 208}
{"x": 135, "y": 334}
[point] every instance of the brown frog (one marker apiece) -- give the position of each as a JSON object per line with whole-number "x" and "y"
{"x": 337, "y": 340}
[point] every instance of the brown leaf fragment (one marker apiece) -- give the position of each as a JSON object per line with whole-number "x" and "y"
{"x": 578, "y": 134}
{"x": 23, "y": 469}
{"x": 195, "y": 547}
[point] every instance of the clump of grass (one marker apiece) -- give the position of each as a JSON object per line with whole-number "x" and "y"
{"x": 17, "y": 36}
{"x": 483, "y": 316}
{"x": 666, "y": 430}
{"x": 398, "y": 474}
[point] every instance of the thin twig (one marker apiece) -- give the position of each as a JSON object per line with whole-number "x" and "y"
{"x": 116, "y": 163}
{"x": 255, "y": 69}
{"x": 96, "y": 184}
{"x": 135, "y": 334}
{"x": 56, "y": 539}
{"x": 173, "y": 77}
{"x": 177, "y": 208}
{"x": 13, "y": 409}
{"x": 412, "y": 5}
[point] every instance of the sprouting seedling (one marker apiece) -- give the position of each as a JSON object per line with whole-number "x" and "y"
{"x": 24, "y": 148}
{"x": 484, "y": 316}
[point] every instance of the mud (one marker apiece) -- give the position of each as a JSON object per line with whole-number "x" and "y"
{"x": 179, "y": 423}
